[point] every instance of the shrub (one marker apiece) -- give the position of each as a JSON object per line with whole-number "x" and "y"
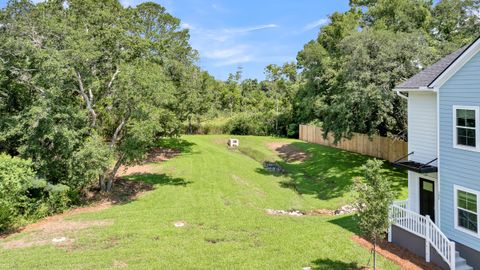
{"x": 16, "y": 178}
{"x": 25, "y": 196}
{"x": 247, "y": 124}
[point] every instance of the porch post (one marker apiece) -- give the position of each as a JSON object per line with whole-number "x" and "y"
{"x": 390, "y": 233}
{"x": 427, "y": 238}
{"x": 452, "y": 256}
{"x": 390, "y": 217}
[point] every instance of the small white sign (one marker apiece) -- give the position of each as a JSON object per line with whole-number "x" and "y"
{"x": 233, "y": 142}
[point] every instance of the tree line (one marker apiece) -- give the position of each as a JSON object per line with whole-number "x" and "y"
{"x": 87, "y": 86}
{"x": 343, "y": 79}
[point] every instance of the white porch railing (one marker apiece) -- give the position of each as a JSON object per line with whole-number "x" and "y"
{"x": 424, "y": 227}
{"x": 402, "y": 204}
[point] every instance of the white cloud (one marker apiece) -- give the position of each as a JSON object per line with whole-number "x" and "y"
{"x": 226, "y": 46}
{"x": 316, "y": 24}
{"x": 250, "y": 29}
{"x": 227, "y": 52}
{"x": 185, "y": 25}
{"x": 236, "y": 54}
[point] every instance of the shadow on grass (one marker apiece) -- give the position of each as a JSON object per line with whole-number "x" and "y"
{"x": 128, "y": 188}
{"x": 179, "y": 144}
{"x": 327, "y": 264}
{"x": 329, "y": 172}
{"x": 346, "y": 222}
{"x": 157, "y": 179}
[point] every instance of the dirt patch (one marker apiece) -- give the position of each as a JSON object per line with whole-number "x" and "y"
{"x": 221, "y": 141}
{"x": 122, "y": 191}
{"x": 288, "y": 152}
{"x": 161, "y": 154}
{"x": 400, "y": 256}
{"x": 47, "y": 230}
{"x": 119, "y": 264}
{"x": 155, "y": 155}
{"x": 54, "y": 230}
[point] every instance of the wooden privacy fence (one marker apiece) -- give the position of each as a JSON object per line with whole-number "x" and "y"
{"x": 376, "y": 146}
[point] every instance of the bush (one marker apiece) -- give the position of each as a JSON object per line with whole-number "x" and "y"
{"x": 25, "y": 196}
{"x": 248, "y": 124}
{"x": 16, "y": 178}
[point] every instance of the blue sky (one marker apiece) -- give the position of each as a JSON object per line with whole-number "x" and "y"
{"x": 248, "y": 33}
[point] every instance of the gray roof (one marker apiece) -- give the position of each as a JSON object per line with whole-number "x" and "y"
{"x": 431, "y": 73}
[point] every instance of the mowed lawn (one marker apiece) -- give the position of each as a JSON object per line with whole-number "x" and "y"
{"x": 221, "y": 195}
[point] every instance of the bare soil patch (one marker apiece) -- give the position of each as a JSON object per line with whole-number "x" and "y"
{"x": 55, "y": 230}
{"x": 45, "y": 231}
{"x": 119, "y": 264}
{"x": 220, "y": 141}
{"x": 400, "y": 256}
{"x": 153, "y": 156}
{"x": 122, "y": 191}
{"x": 288, "y": 152}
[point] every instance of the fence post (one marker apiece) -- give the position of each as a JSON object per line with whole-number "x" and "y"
{"x": 427, "y": 238}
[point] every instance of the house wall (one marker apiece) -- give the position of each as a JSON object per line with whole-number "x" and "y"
{"x": 416, "y": 245}
{"x": 414, "y": 191}
{"x": 422, "y": 126}
{"x": 457, "y": 166}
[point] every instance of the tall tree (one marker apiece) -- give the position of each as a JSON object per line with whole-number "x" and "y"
{"x": 88, "y": 75}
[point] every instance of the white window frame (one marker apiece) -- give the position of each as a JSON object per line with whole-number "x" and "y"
{"x": 477, "y": 128}
{"x": 457, "y": 188}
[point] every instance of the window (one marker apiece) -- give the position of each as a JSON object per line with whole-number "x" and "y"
{"x": 466, "y": 210}
{"x": 466, "y": 123}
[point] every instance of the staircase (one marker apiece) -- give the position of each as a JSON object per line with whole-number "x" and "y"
{"x": 424, "y": 227}
{"x": 461, "y": 263}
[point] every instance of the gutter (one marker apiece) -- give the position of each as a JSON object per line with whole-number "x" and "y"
{"x": 401, "y": 95}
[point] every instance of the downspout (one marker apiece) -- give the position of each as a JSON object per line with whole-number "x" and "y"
{"x": 401, "y": 95}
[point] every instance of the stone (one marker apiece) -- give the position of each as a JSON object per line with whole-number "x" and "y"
{"x": 59, "y": 239}
{"x": 179, "y": 224}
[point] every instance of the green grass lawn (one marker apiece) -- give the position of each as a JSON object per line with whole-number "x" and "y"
{"x": 222, "y": 195}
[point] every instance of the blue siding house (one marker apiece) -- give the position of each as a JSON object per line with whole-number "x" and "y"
{"x": 440, "y": 220}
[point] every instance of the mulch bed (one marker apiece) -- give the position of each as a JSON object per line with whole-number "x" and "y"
{"x": 400, "y": 256}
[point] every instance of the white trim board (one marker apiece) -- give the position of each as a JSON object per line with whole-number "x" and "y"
{"x": 456, "y": 188}
{"x": 477, "y": 128}
{"x": 466, "y": 56}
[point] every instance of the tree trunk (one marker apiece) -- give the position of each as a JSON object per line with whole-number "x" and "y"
{"x": 102, "y": 184}
{"x": 114, "y": 173}
{"x": 190, "y": 131}
{"x": 276, "y": 114}
{"x": 375, "y": 254}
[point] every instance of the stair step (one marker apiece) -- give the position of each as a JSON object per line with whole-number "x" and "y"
{"x": 459, "y": 261}
{"x": 464, "y": 267}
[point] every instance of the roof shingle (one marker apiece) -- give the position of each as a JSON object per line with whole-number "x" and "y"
{"x": 428, "y": 75}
